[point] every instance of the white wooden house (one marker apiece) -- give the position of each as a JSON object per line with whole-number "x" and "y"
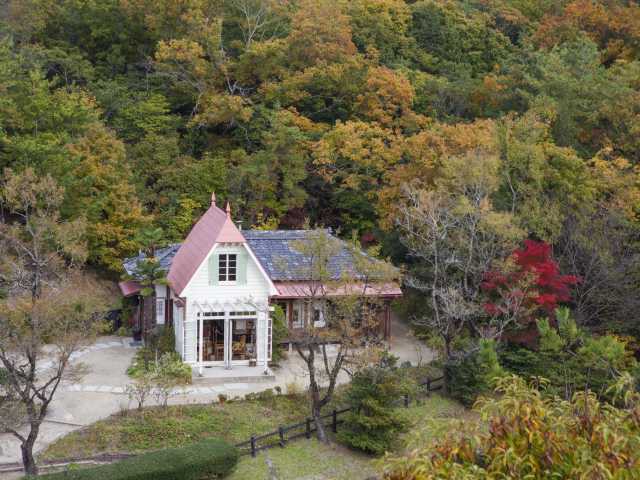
{"x": 222, "y": 284}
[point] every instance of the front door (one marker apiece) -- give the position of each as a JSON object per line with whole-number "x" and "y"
{"x": 213, "y": 341}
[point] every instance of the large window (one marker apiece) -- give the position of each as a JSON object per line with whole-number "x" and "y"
{"x": 298, "y": 315}
{"x": 318, "y": 316}
{"x": 160, "y": 311}
{"x": 227, "y": 264}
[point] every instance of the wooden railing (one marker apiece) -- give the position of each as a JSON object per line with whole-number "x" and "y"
{"x": 287, "y": 433}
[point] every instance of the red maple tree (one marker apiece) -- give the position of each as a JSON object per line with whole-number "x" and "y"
{"x": 530, "y": 285}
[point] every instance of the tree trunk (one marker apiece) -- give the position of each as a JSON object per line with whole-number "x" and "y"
{"x": 322, "y": 435}
{"x": 447, "y": 346}
{"x": 26, "y": 448}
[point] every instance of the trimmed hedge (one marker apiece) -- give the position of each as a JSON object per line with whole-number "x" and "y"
{"x": 208, "y": 459}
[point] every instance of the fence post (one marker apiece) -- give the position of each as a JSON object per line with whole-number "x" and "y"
{"x": 253, "y": 445}
{"x": 281, "y": 435}
{"x": 307, "y": 432}
{"x": 406, "y": 400}
{"x": 335, "y": 421}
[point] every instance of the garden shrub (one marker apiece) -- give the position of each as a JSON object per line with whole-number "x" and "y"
{"x": 570, "y": 359}
{"x": 533, "y": 436}
{"x": 266, "y": 395}
{"x": 280, "y": 332}
{"x": 104, "y": 327}
{"x": 167, "y": 340}
{"x": 208, "y": 459}
{"x": 474, "y": 373}
{"x": 169, "y": 365}
{"x": 124, "y": 331}
{"x": 374, "y": 423}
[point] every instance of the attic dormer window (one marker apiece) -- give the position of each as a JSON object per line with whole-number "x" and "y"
{"x": 227, "y": 265}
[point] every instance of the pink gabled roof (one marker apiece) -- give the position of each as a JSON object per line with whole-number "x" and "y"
{"x": 215, "y": 226}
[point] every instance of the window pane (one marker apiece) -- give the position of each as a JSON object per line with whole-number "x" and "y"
{"x": 222, "y": 268}
{"x": 231, "y": 269}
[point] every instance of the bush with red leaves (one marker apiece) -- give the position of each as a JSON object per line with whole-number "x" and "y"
{"x": 530, "y": 285}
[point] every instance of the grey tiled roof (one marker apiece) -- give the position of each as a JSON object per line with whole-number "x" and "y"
{"x": 275, "y": 249}
{"x": 164, "y": 255}
{"x": 277, "y": 253}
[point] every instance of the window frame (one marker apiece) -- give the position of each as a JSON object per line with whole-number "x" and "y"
{"x": 299, "y": 310}
{"x": 318, "y": 309}
{"x": 160, "y": 311}
{"x": 225, "y": 261}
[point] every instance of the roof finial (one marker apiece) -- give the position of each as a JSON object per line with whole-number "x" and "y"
{"x": 228, "y": 209}
{"x": 213, "y": 199}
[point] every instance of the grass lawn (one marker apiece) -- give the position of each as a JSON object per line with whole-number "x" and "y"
{"x": 305, "y": 459}
{"x": 156, "y": 428}
{"x": 431, "y": 417}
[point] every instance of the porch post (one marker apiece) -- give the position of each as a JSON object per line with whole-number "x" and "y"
{"x": 228, "y": 352}
{"x": 265, "y": 332}
{"x": 200, "y": 343}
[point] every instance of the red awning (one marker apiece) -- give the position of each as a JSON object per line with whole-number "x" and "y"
{"x": 310, "y": 289}
{"x": 129, "y": 288}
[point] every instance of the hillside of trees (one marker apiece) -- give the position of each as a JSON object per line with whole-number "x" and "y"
{"x": 500, "y": 120}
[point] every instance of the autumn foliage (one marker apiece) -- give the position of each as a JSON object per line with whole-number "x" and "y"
{"x": 530, "y": 284}
{"x": 533, "y": 436}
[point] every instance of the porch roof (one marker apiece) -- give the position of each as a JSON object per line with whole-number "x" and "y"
{"x": 310, "y": 289}
{"x": 129, "y": 287}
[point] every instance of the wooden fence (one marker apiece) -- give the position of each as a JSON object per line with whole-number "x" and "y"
{"x": 286, "y": 433}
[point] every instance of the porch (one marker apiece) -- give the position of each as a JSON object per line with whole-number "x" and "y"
{"x": 226, "y": 340}
{"x": 219, "y": 375}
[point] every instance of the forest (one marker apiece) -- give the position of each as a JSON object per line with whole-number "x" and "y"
{"x": 517, "y": 119}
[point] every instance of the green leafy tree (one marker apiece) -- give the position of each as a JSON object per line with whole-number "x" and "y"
{"x": 454, "y": 40}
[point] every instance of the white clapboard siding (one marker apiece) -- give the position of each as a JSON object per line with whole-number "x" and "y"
{"x": 190, "y": 341}
{"x": 245, "y": 295}
{"x": 199, "y": 290}
{"x": 261, "y": 336}
{"x": 178, "y": 329}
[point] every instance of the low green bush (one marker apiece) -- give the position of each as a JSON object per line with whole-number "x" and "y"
{"x": 167, "y": 340}
{"x": 104, "y": 327}
{"x": 570, "y": 359}
{"x": 169, "y": 365}
{"x": 209, "y": 459}
{"x": 280, "y": 332}
{"x": 124, "y": 331}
